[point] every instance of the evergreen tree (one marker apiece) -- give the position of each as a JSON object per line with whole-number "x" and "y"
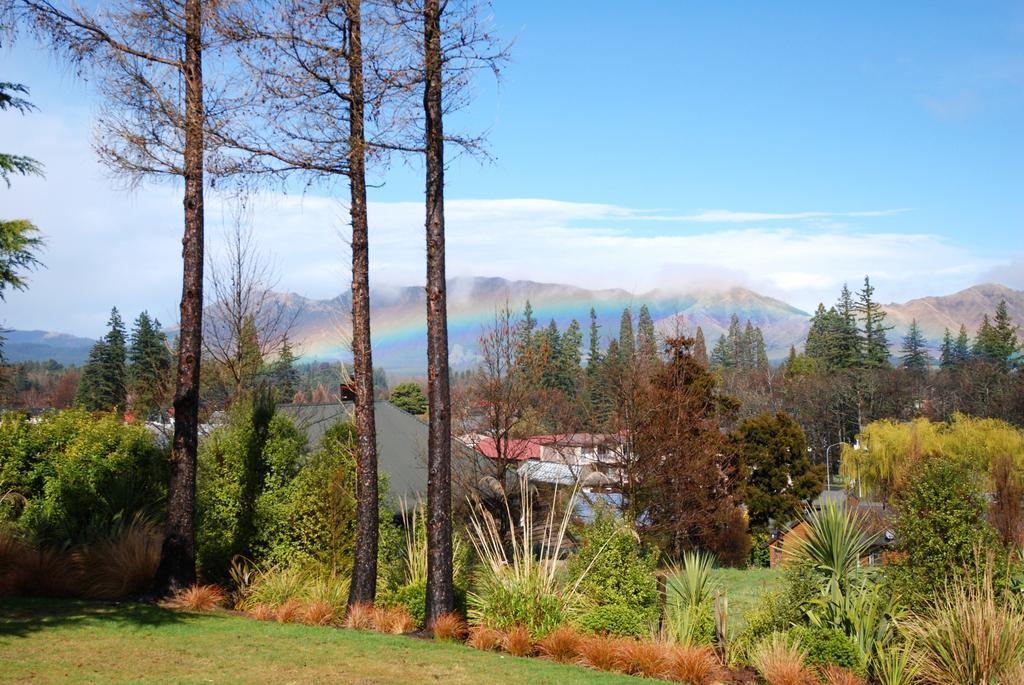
{"x": 996, "y": 341}
{"x": 874, "y": 345}
{"x": 646, "y": 339}
{"x": 88, "y": 394}
{"x": 594, "y": 346}
{"x": 818, "y": 337}
{"x": 962, "y": 346}
{"x": 570, "y": 358}
{"x": 150, "y": 364}
{"x": 551, "y": 355}
{"x": 734, "y": 341}
{"x": 847, "y": 346}
{"x": 700, "y": 350}
{"x": 115, "y": 370}
{"x": 721, "y": 354}
{"x": 913, "y": 355}
{"x": 528, "y": 325}
{"x": 285, "y": 376}
{"x": 947, "y": 360}
{"x": 627, "y": 346}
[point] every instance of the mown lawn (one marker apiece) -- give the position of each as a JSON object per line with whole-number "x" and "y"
{"x": 743, "y": 587}
{"x": 48, "y": 641}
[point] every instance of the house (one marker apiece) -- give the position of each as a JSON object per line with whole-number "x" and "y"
{"x": 879, "y": 519}
{"x": 401, "y": 444}
{"x": 592, "y": 458}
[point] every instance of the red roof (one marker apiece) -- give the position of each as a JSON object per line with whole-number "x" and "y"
{"x": 515, "y": 449}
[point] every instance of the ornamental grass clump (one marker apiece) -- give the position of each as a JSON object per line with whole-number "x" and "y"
{"x": 261, "y": 612}
{"x": 359, "y": 617}
{"x": 517, "y": 641}
{"x": 781, "y": 660}
{"x": 693, "y": 665}
{"x": 600, "y": 652}
{"x": 197, "y": 598}
{"x": 449, "y": 627}
{"x": 837, "y": 675}
{"x": 646, "y": 658}
{"x": 484, "y": 638}
{"x": 561, "y": 644}
{"x": 971, "y": 634}
{"x": 291, "y": 611}
{"x": 319, "y": 614}
{"x": 520, "y": 583}
{"x": 123, "y": 564}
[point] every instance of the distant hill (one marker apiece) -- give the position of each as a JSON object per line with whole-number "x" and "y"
{"x": 935, "y": 314}
{"x": 322, "y": 328}
{"x": 20, "y": 346}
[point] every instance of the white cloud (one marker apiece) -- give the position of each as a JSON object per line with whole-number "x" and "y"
{"x": 107, "y": 247}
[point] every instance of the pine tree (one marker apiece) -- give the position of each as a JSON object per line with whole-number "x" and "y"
{"x": 700, "y": 350}
{"x": 570, "y": 358}
{"x": 627, "y": 346}
{"x": 913, "y": 355}
{"x": 285, "y": 375}
{"x": 594, "y": 346}
{"x": 646, "y": 339}
{"x": 962, "y": 346}
{"x": 150, "y": 363}
{"x": 88, "y": 394}
{"x": 759, "y": 352}
{"x": 847, "y": 347}
{"x": 947, "y": 360}
{"x": 527, "y": 327}
{"x": 115, "y": 370}
{"x": 874, "y": 346}
{"x": 734, "y": 341}
{"x": 721, "y": 354}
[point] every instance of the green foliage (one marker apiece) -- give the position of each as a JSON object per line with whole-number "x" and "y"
{"x": 614, "y": 619}
{"x": 689, "y": 609}
{"x": 15, "y": 164}
{"x": 779, "y": 610}
{"x": 760, "y": 554}
{"x": 19, "y": 247}
{"x": 865, "y": 611}
{"x": 283, "y": 374}
{"x": 835, "y": 539}
{"x": 780, "y": 477}
{"x": 274, "y": 585}
{"x": 826, "y": 646}
{"x": 150, "y": 366}
{"x": 80, "y": 475}
{"x": 412, "y": 597}
{"x": 996, "y": 341}
{"x": 913, "y": 354}
{"x": 941, "y": 527}
{"x": 615, "y": 568}
{"x": 104, "y": 383}
{"x": 409, "y": 397}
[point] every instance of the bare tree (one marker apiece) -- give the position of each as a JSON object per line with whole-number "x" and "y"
{"x": 157, "y": 109}
{"x": 246, "y": 321}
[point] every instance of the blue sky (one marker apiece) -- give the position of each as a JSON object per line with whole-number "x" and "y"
{"x": 784, "y": 146}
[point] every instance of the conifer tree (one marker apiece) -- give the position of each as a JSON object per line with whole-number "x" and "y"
{"x": 962, "y": 346}
{"x": 874, "y": 346}
{"x": 700, "y": 350}
{"x": 104, "y": 378}
{"x": 87, "y": 396}
{"x": 285, "y": 375}
{"x": 594, "y": 345}
{"x": 627, "y": 346}
{"x": 646, "y": 339}
{"x": 721, "y": 354}
{"x": 847, "y": 347}
{"x": 734, "y": 341}
{"x": 570, "y": 358}
{"x": 947, "y": 360}
{"x": 913, "y": 354}
{"x": 996, "y": 341}
{"x": 150, "y": 363}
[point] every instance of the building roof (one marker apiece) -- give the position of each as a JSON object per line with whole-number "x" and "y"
{"x": 401, "y": 440}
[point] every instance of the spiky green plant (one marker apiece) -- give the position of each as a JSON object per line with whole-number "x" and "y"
{"x": 895, "y": 667}
{"x": 836, "y": 539}
{"x": 689, "y": 611}
{"x": 519, "y": 582}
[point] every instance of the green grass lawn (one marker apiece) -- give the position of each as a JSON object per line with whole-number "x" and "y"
{"x": 49, "y": 641}
{"x": 743, "y": 587}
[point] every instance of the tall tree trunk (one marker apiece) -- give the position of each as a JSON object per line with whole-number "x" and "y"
{"x": 364, "y": 572}
{"x": 440, "y": 595}
{"x": 178, "y": 557}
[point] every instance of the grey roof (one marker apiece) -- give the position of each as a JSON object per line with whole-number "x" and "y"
{"x": 401, "y": 441}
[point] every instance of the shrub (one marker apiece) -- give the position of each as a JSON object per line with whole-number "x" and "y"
{"x": 613, "y": 619}
{"x": 826, "y": 646}
{"x": 484, "y": 638}
{"x": 782, "y": 661}
{"x": 693, "y": 665}
{"x": 197, "y": 598}
{"x": 645, "y": 658}
{"x": 399, "y": 622}
{"x": 78, "y": 475}
{"x": 561, "y": 644}
{"x": 969, "y": 635}
{"x": 614, "y": 567}
{"x": 779, "y": 610}
{"x": 942, "y": 521}
{"x": 517, "y": 641}
{"x": 261, "y": 612}
{"x": 412, "y": 598}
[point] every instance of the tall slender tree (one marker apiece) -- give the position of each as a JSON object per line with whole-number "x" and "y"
{"x": 874, "y": 345}
{"x": 913, "y": 354}
{"x": 149, "y": 56}
{"x": 440, "y": 592}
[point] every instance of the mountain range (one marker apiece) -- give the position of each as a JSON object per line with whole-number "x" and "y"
{"x": 321, "y": 327}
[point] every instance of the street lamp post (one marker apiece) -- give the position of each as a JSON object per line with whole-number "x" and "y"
{"x": 828, "y": 465}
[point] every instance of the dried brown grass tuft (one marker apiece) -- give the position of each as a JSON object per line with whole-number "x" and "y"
{"x": 517, "y": 642}
{"x": 359, "y": 616}
{"x": 262, "y": 612}
{"x": 694, "y": 665}
{"x": 482, "y": 637}
{"x": 837, "y": 675}
{"x": 399, "y": 621}
{"x": 600, "y": 652}
{"x": 379, "y": 619}
{"x": 562, "y": 644}
{"x": 645, "y": 658}
{"x": 319, "y": 614}
{"x": 123, "y": 566}
{"x": 290, "y": 612}
{"x": 449, "y": 627}
{"x": 197, "y": 598}
{"x": 781, "y": 661}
